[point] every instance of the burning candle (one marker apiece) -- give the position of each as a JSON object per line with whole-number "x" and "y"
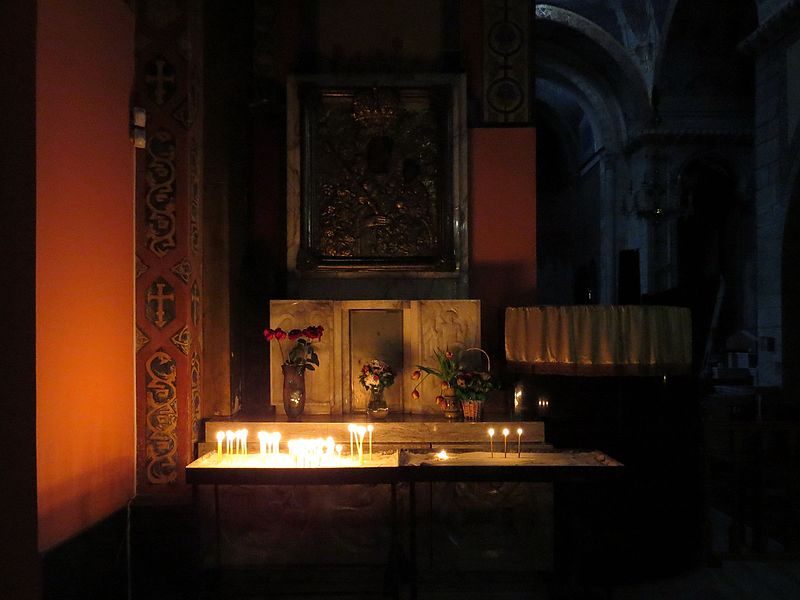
{"x": 491, "y": 440}
{"x": 505, "y": 442}
{"x": 519, "y": 442}
{"x": 352, "y": 429}
{"x": 370, "y": 428}
{"x": 220, "y": 438}
{"x": 361, "y": 431}
{"x": 244, "y": 441}
{"x": 277, "y": 441}
{"x": 263, "y": 438}
{"x": 229, "y": 435}
{"x": 338, "y": 453}
{"x": 442, "y": 455}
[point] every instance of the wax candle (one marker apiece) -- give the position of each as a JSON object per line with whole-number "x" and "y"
{"x": 491, "y": 440}
{"x": 519, "y": 442}
{"x": 229, "y": 436}
{"x": 263, "y": 438}
{"x": 361, "y": 432}
{"x": 370, "y": 428}
{"x": 244, "y": 441}
{"x": 220, "y": 438}
{"x": 505, "y": 442}
{"x": 339, "y": 453}
{"x": 277, "y": 441}
{"x": 352, "y": 429}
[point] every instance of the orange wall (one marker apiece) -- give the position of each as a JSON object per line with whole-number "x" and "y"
{"x": 502, "y": 268}
{"x": 84, "y": 264}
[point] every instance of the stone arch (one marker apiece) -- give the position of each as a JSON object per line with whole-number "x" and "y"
{"x": 573, "y": 40}
{"x": 699, "y": 50}
{"x": 578, "y": 59}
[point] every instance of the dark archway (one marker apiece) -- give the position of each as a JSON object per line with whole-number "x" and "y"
{"x": 790, "y": 300}
{"x": 710, "y": 253}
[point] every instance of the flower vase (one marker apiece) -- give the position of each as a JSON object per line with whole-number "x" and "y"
{"x": 294, "y": 390}
{"x": 451, "y": 406}
{"x": 377, "y": 407}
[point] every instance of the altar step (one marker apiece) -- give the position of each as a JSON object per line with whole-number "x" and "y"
{"x": 409, "y": 433}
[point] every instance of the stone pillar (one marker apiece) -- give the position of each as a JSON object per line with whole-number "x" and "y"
{"x": 774, "y": 165}
{"x": 168, "y": 242}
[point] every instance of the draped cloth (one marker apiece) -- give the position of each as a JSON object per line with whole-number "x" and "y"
{"x": 608, "y": 340}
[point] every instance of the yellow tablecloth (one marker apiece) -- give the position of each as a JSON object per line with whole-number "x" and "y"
{"x": 599, "y": 340}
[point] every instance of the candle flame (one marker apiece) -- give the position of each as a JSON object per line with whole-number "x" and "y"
{"x": 491, "y": 431}
{"x": 505, "y": 431}
{"x": 442, "y": 454}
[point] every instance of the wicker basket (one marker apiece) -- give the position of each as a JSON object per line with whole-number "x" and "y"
{"x": 473, "y": 409}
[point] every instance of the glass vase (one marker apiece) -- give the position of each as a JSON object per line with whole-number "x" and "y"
{"x": 294, "y": 391}
{"x": 377, "y": 407}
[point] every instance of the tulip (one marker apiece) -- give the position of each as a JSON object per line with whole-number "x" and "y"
{"x": 416, "y": 375}
{"x": 415, "y": 395}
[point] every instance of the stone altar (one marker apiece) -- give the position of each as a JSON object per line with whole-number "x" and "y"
{"x": 420, "y": 326}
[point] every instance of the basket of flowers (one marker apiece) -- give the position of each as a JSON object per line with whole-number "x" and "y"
{"x": 463, "y": 390}
{"x": 472, "y": 388}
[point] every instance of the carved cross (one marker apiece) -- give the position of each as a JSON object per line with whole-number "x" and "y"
{"x": 159, "y": 79}
{"x": 159, "y": 297}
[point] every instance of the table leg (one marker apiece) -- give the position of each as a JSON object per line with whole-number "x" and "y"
{"x": 217, "y": 529}
{"x": 412, "y": 537}
{"x": 391, "y": 582}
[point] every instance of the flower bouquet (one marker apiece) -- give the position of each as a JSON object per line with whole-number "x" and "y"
{"x": 301, "y": 355}
{"x": 376, "y": 376}
{"x": 300, "y": 358}
{"x": 463, "y": 391}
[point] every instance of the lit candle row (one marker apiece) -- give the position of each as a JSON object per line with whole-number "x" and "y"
{"x": 314, "y": 452}
{"x": 235, "y": 442}
{"x": 505, "y": 442}
{"x": 357, "y": 438}
{"x": 269, "y": 443}
{"x": 303, "y": 452}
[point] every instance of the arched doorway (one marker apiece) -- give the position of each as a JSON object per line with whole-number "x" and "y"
{"x": 710, "y": 238}
{"x": 790, "y": 297}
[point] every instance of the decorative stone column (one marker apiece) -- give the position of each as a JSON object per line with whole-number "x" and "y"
{"x": 168, "y": 245}
{"x": 507, "y": 61}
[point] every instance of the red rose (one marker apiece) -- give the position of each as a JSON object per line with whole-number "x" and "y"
{"x": 313, "y": 333}
{"x": 449, "y": 355}
{"x": 269, "y": 334}
{"x": 279, "y": 334}
{"x": 294, "y": 334}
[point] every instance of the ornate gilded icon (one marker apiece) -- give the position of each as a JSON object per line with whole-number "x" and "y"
{"x": 377, "y": 167}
